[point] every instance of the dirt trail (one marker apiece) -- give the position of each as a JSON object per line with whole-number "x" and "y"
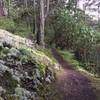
{"x": 71, "y": 83}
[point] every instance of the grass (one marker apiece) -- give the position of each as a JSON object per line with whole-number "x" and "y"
{"x": 69, "y": 57}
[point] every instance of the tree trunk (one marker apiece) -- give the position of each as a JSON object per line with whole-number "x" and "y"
{"x": 9, "y": 8}
{"x": 1, "y": 8}
{"x": 35, "y": 17}
{"x": 42, "y": 23}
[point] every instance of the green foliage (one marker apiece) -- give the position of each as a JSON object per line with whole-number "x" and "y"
{"x": 42, "y": 69}
{"x": 13, "y": 27}
{"x": 68, "y": 56}
{"x": 7, "y": 24}
{"x": 21, "y": 30}
{"x": 67, "y": 27}
{"x": 69, "y": 31}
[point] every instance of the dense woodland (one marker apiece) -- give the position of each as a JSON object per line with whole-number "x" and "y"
{"x": 56, "y": 23}
{"x": 49, "y": 49}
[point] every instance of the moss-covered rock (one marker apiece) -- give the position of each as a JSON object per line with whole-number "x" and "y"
{"x": 27, "y": 69}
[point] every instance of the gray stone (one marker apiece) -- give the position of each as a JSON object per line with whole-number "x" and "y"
{"x": 22, "y": 93}
{"x": 37, "y": 73}
{"x": 2, "y": 62}
{"x": 6, "y": 48}
{"x": 17, "y": 75}
{"x": 16, "y": 78}
{"x": 14, "y": 52}
{"x": 2, "y": 90}
{"x": 14, "y": 40}
{"x": 3, "y": 68}
{"x": 47, "y": 79}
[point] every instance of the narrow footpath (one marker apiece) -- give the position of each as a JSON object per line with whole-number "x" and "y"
{"x": 71, "y": 83}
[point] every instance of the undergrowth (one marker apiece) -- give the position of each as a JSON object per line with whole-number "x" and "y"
{"x": 69, "y": 57}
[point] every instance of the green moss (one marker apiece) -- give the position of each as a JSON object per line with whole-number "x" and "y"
{"x": 41, "y": 68}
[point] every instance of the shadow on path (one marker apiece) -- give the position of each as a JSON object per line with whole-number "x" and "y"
{"x": 72, "y": 84}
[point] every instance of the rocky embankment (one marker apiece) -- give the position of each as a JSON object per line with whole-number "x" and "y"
{"x": 24, "y": 71}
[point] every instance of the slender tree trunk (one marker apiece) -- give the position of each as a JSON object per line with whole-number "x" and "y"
{"x": 1, "y": 8}
{"x": 9, "y": 8}
{"x": 27, "y": 16}
{"x": 47, "y": 8}
{"x": 42, "y": 23}
{"x": 44, "y": 11}
{"x": 98, "y": 13}
{"x": 35, "y": 17}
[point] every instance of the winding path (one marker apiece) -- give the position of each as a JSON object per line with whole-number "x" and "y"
{"x": 71, "y": 83}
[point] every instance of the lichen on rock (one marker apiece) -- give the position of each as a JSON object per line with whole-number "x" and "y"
{"x": 23, "y": 69}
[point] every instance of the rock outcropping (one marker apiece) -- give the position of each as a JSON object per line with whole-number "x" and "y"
{"x": 14, "y": 40}
{"x": 24, "y": 71}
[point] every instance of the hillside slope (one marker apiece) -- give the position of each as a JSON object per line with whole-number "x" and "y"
{"x": 25, "y": 72}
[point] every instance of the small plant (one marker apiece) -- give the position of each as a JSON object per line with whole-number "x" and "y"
{"x": 42, "y": 69}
